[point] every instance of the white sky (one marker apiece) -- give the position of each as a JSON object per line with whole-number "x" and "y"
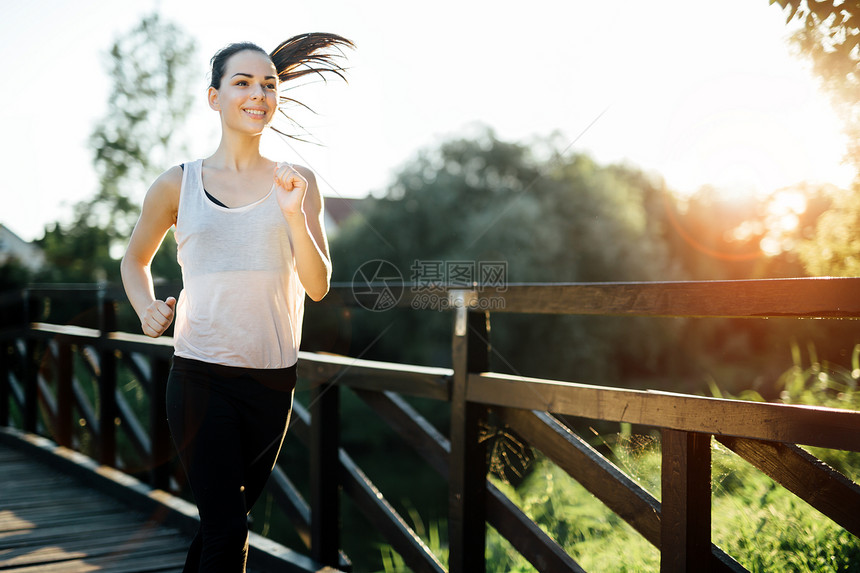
{"x": 699, "y": 92}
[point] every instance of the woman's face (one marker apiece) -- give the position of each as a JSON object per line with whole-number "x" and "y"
{"x": 248, "y": 96}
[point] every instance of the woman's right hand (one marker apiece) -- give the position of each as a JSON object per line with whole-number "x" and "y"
{"x": 157, "y": 317}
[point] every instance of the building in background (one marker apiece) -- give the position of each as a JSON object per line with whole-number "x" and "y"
{"x": 338, "y": 210}
{"x": 14, "y": 247}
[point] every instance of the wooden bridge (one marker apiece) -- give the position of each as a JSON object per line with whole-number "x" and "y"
{"x": 43, "y": 367}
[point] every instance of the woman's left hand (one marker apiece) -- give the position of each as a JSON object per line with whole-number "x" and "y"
{"x": 290, "y": 187}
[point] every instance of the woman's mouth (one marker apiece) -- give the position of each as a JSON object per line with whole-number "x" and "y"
{"x": 255, "y": 113}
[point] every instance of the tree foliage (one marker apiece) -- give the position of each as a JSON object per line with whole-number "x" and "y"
{"x": 149, "y": 99}
{"x": 830, "y": 39}
{"x": 148, "y": 103}
{"x": 548, "y": 219}
{"x": 554, "y": 218}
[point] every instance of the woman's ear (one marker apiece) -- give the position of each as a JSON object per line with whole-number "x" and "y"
{"x": 212, "y": 96}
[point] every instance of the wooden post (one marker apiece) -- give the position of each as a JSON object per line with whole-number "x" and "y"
{"x": 467, "y": 514}
{"x": 63, "y": 432}
{"x": 107, "y": 382}
{"x": 685, "y": 536}
{"x": 5, "y": 390}
{"x": 31, "y": 369}
{"x": 31, "y": 385}
{"x": 325, "y": 495}
{"x": 159, "y": 432}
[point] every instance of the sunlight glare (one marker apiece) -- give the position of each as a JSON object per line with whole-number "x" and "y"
{"x": 747, "y": 134}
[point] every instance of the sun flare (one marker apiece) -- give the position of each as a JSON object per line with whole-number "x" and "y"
{"x": 747, "y": 135}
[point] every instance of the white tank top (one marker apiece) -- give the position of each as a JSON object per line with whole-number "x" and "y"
{"x": 242, "y": 303}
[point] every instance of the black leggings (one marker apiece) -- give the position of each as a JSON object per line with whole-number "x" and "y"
{"x": 227, "y": 424}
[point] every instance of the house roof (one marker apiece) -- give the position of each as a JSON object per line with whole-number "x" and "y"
{"x": 339, "y": 208}
{"x": 13, "y": 246}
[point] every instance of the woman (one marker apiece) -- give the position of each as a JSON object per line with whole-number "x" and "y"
{"x": 251, "y": 243}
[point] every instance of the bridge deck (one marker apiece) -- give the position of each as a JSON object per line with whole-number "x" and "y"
{"x": 50, "y": 522}
{"x": 62, "y": 512}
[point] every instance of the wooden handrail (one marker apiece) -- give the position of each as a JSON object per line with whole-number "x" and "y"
{"x": 808, "y": 297}
{"x": 798, "y": 298}
{"x": 766, "y": 434}
{"x": 790, "y": 423}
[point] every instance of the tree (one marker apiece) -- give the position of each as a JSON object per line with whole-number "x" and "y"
{"x": 830, "y": 39}
{"x": 548, "y": 218}
{"x": 149, "y": 99}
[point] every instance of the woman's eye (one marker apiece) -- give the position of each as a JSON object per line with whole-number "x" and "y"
{"x": 241, "y": 83}
{"x": 270, "y": 86}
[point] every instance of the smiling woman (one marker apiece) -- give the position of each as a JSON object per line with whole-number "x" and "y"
{"x": 251, "y": 244}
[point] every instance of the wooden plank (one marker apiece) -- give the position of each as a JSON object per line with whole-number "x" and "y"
{"x": 407, "y": 379}
{"x": 325, "y": 497}
{"x": 107, "y": 376}
{"x": 300, "y": 427}
{"x": 121, "y": 504}
{"x": 385, "y": 518}
{"x": 598, "y": 475}
{"x": 85, "y": 408}
{"x": 161, "y": 448}
{"x": 47, "y": 402}
{"x": 467, "y": 470}
{"x": 50, "y": 522}
{"x": 411, "y": 426}
{"x": 31, "y": 385}
{"x": 161, "y": 347}
{"x": 526, "y": 536}
{"x": 288, "y": 498}
{"x": 809, "y": 478}
{"x": 140, "y": 367}
{"x": 817, "y": 297}
{"x": 6, "y": 350}
{"x": 132, "y": 427}
{"x": 374, "y": 375}
{"x": 63, "y": 430}
{"x": 300, "y": 424}
{"x": 113, "y": 564}
{"x": 824, "y": 297}
{"x": 141, "y": 543}
{"x": 587, "y": 466}
{"x": 685, "y": 535}
{"x": 16, "y": 392}
{"x": 510, "y": 521}
{"x": 807, "y": 425}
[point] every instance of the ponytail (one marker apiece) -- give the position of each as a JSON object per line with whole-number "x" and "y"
{"x": 303, "y": 55}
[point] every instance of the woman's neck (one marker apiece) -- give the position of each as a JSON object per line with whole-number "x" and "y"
{"x": 236, "y": 153}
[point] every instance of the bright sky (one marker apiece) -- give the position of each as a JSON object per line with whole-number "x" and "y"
{"x": 699, "y": 92}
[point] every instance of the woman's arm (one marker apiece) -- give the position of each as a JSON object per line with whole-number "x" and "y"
{"x": 156, "y": 217}
{"x": 302, "y": 206}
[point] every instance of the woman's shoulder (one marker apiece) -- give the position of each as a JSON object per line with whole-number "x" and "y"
{"x": 165, "y": 188}
{"x": 172, "y": 177}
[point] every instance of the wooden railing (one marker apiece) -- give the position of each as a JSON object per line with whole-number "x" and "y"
{"x": 43, "y": 364}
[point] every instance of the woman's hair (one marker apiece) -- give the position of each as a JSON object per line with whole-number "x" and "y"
{"x": 219, "y": 60}
{"x": 294, "y": 58}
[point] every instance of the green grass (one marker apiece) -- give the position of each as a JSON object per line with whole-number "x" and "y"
{"x": 767, "y": 528}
